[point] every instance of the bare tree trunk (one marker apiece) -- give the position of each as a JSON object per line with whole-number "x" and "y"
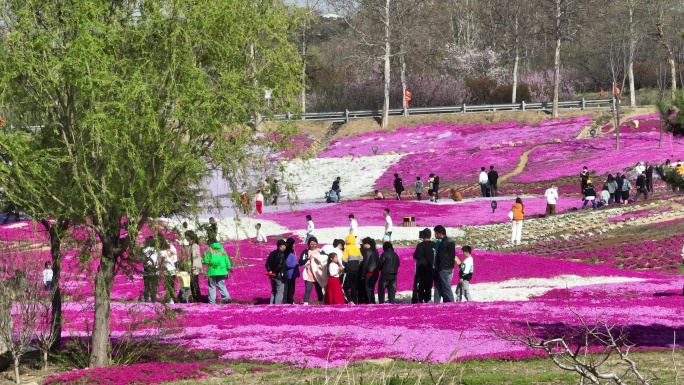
{"x": 45, "y": 359}
{"x": 404, "y": 86}
{"x": 515, "y": 76}
{"x": 17, "y": 377}
{"x": 556, "y": 60}
{"x": 516, "y": 61}
{"x": 673, "y": 74}
{"x": 99, "y": 356}
{"x": 632, "y": 53}
{"x": 556, "y": 78}
{"x": 385, "y": 107}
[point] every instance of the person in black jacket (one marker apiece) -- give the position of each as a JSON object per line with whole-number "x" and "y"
{"x": 336, "y": 188}
{"x": 276, "y": 269}
{"x": 493, "y": 178}
{"x": 589, "y": 195}
{"x": 435, "y": 186}
{"x": 443, "y": 266}
{"x": 424, "y": 256}
{"x": 584, "y": 175}
{"x": 370, "y": 269}
{"x": 641, "y": 186}
{"x": 398, "y": 186}
{"x": 618, "y": 192}
{"x": 649, "y": 177}
{"x": 389, "y": 266}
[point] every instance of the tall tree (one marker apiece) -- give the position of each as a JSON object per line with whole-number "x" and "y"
{"x": 510, "y": 20}
{"x": 666, "y": 28}
{"x": 371, "y": 21}
{"x": 563, "y": 18}
{"x": 136, "y": 102}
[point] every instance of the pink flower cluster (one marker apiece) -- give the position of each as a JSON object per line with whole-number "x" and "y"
{"x": 662, "y": 255}
{"x": 442, "y": 136}
{"x": 136, "y": 374}
{"x": 557, "y": 160}
{"x": 369, "y": 212}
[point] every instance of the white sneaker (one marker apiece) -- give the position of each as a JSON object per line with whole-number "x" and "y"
{"x": 305, "y": 304}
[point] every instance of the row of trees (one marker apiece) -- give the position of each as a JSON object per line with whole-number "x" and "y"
{"x": 498, "y": 40}
{"x": 117, "y": 111}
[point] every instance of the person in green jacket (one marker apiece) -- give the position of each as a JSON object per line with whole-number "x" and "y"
{"x": 218, "y": 266}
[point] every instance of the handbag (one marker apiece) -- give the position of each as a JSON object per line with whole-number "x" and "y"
{"x": 510, "y": 215}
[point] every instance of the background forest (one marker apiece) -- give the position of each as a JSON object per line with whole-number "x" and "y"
{"x": 449, "y": 52}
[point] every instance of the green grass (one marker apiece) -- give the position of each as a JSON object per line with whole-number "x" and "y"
{"x": 660, "y": 366}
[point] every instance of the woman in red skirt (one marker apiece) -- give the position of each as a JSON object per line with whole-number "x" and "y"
{"x": 333, "y": 292}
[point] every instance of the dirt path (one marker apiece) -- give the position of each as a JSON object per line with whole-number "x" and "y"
{"x": 522, "y": 163}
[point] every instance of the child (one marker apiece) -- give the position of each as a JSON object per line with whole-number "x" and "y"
{"x": 260, "y": 236}
{"x": 465, "y": 274}
{"x": 418, "y": 187}
{"x": 184, "y": 285}
{"x": 378, "y": 196}
{"x": 333, "y": 291}
{"x": 47, "y": 276}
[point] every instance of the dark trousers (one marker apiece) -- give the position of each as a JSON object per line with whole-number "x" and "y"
{"x": 641, "y": 191}
{"x": 195, "y": 287}
{"x": 351, "y": 286}
{"x": 483, "y": 189}
{"x": 290, "y": 291}
{"x": 151, "y": 285}
{"x": 550, "y": 209}
{"x": 369, "y": 283}
{"x": 424, "y": 280}
{"x": 307, "y": 291}
{"x": 493, "y": 190}
{"x": 387, "y": 282}
{"x": 398, "y": 195}
{"x": 363, "y": 298}
{"x": 612, "y": 198}
{"x": 618, "y": 196}
{"x": 649, "y": 185}
{"x": 419, "y": 195}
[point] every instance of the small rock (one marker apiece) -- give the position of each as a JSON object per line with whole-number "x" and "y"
{"x": 384, "y": 362}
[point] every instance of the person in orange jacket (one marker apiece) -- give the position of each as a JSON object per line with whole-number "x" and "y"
{"x": 518, "y": 211}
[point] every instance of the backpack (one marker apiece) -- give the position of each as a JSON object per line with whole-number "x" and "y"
{"x": 304, "y": 257}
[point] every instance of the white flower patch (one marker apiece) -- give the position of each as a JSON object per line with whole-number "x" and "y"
{"x": 233, "y": 228}
{"x": 527, "y": 288}
{"x": 313, "y": 178}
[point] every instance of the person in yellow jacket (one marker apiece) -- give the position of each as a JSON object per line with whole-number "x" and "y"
{"x": 351, "y": 260}
{"x": 518, "y": 211}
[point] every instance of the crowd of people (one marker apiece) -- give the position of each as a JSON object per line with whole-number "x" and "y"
{"x": 344, "y": 273}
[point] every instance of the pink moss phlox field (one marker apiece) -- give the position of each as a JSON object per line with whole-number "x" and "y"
{"x": 559, "y": 160}
{"x": 661, "y": 255}
{"x": 135, "y": 374}
{"x": 425, "y": 137}
{"x": 333, "y": 335}
{"x": 369, "y": 212}
{"x": 452, "y": 166}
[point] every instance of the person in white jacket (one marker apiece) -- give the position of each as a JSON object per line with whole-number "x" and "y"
{"x": 309, "y": 229}
{"x": 483, "y": 180}
{"x": 551, "y": 195}
{"x": 639, "y": 168}
{"x": 353, "y": 225}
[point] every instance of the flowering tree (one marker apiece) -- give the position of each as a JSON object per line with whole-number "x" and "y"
{"x": 119, "y": 111}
